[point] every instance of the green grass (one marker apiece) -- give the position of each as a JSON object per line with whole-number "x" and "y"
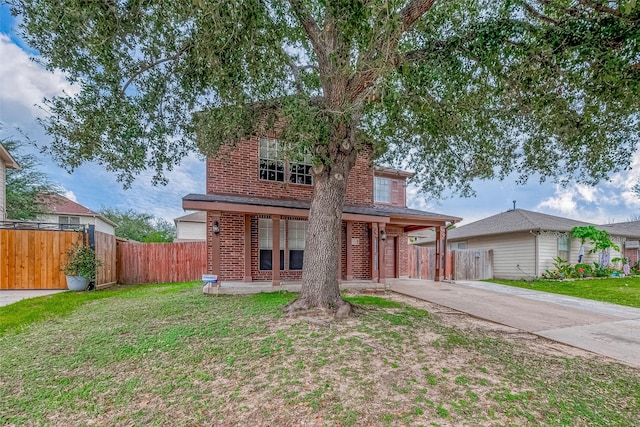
{"x": 168, "y": 355}
{"x": 15, "y": 317}
{"x": 623, "y": 291}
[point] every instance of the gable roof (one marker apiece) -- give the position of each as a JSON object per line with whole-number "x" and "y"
{"x": 57, "y": 204}
{"x": 6, "y": 158}
{"x": 198, "y": 216}
{"x": 628, "y": 229}
{"x": 514, "y": 221}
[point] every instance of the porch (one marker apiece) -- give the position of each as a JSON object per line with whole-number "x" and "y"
{"x": 247, "y": 288}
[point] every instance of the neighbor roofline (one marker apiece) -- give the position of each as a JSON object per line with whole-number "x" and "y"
{"x": 8, "y": 159}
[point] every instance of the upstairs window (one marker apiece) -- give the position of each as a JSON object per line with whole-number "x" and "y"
{"x": 271, "y": 165}
{"x": 563, "y": 247}
{"x": 382, "y": 190}
{"x": 300, "y": 173}
{"x": 297, "y": 240}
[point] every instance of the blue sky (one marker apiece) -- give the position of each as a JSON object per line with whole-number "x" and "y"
{"x": 23, "y": 85}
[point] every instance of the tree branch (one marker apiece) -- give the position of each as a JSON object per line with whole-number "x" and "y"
{"x": 385, "y": 44}
{"x": 310, "y": 27}
{"x": 297, "y": 70}
{"x": 414, "y": 11}
{"x": 532, "y": 11}
{"x": 150, "y": 65}
{"x": 601, "y": 8}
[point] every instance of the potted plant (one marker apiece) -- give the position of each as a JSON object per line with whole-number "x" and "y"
{"x": 80, "y": 268}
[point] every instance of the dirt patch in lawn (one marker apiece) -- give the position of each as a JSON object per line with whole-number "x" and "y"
{"x": 463, "y": 321}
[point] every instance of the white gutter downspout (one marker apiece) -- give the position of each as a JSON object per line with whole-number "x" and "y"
{"x": 536, "y": 268}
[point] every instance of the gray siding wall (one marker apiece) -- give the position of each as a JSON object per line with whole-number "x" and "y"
{"x": 191, "y": 231}
{"x": 513, "y": 254}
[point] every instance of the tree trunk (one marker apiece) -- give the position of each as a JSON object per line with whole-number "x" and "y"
{"x": 320, "y": 275}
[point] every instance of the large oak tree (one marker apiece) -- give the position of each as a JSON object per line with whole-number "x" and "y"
{"x": 457, "y": 90}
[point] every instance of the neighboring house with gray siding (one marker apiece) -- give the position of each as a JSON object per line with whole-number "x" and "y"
{"x": 191, "y": 227}
{"x": 525, "y": 243}
{"x": 65, "y": 211}
{"x": 6, "y": 162}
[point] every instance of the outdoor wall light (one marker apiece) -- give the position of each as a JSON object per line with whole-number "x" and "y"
{"x": 383, "y": 235}
{"x": 216, "y": 227}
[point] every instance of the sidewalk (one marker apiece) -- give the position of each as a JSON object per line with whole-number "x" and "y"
{"x": 10, "y": 296}
{"x": 607, "y": 329}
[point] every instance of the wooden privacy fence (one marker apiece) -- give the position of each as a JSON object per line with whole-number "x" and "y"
{"x": 472, "y": 264}
{"x": 461, "y": 264}
{"x": 160, "y": 262}
{"x": 422, "y": 263}
{"x": 32, "y": 259}
{"x": 105, "y": 247}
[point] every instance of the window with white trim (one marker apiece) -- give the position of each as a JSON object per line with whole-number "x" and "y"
{"x": 271, "y": 164}
{"x": 68, "y": 220}
{"x": 297, "y": 240}
{"x": 381, "y": 189}
{"x": 265, "y": 243}
{"x": 563, "y": 247}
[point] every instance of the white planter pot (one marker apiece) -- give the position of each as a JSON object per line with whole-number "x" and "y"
{"x": 77, "y": 283}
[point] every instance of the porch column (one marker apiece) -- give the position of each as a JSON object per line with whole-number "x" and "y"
{"x": 381, "y": 264}
{"x": 374, "y": 252}
{"x": 215, "y": 244}
{"x": 340, "y": 272}
{"x": 441, "y": 237}
{"x": 275, "y": 253}
{"x": 349, "y": 254}
{"x": 247, "y": 248}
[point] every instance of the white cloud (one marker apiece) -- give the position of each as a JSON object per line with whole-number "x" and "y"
{"x": 611, "y": 201}
{"x": 166, "y": 201}
{"x": 70, "y": 195}
{"x": 563, "y": 201}
{"x": 24, "y": 84}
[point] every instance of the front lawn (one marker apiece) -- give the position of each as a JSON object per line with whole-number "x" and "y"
{"x": 623, "y": 290}
{"x": 167, "y": 355}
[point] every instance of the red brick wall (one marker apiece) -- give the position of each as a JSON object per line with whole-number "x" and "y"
{"x": 361, "y": 257}
{"x": 235, "y": 171}
{"x": 403, "y": 257}
{"x": 231, "y": 246}
{"x": 361, "y": 253}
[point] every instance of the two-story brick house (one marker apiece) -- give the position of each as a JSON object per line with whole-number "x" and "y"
{"x": 257, "y": 205}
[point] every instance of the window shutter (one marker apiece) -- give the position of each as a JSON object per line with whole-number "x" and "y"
{"x": 396, "y": 194}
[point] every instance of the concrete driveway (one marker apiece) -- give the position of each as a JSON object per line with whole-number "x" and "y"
{"x": 607, "y": 329}
{"x": 10, "y": 296}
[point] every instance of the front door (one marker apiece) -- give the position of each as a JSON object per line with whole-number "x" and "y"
{"x": 390, "y": 257}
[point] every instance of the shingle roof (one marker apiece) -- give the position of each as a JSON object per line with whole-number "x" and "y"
{"x": 628, "y": 229}
{"x": 199, "y": 216}
{"x": 513, "y": 221}
{"x": 382, "y": 211}
{"x": 60, "y": 205}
